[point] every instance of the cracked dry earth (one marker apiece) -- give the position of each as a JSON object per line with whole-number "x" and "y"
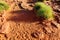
{"x": 21, "y": 24}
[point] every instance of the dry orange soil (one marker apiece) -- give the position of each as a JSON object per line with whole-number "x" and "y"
{"x": 22, "y": 24}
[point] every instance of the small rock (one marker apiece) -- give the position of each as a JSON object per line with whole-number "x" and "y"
{"x": 35, "y": 35}
{"x": 48, "y": 30}
{"x": 5, "y": 28}
{"x": 55, "y": 24}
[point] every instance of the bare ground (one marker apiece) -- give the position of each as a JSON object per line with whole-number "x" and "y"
{"x": 20, "y": 23}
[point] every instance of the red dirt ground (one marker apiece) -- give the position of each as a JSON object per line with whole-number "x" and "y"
{"x": 22, "y": 24}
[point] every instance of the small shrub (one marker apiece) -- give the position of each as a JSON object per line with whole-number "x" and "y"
{"x": 3, "y": 6}
{"x": 44, "y": 10}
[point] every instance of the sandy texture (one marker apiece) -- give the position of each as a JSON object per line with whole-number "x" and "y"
{"x": 21, "y": 23}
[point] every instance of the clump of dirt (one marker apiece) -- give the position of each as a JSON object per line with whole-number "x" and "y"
{"x": 21, "y": 23}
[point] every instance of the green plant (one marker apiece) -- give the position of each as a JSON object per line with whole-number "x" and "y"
{"x": 3, "y": 6}
{"x": 44, "y": 10}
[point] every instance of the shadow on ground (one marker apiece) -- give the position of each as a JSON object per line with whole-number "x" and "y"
{"x": 23, "y": 16}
